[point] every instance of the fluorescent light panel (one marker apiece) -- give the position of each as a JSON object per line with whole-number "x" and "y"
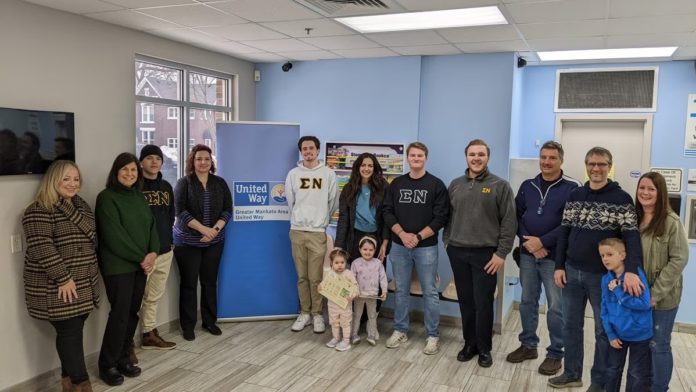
{"x": 479, "y": 16}
{"x": 601, "y": 54}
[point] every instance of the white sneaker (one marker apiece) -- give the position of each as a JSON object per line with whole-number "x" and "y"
{"x": 432, "y": 345}
{"x": 318, "y": 321}
{"x": 302, "y": 321}
{"x": 371, "y": 340}
{"x": 396, "y": 339}
{"x": 332, "y": 343}
{"x": 344, "y": 345}
{"x": 355, "y": 339}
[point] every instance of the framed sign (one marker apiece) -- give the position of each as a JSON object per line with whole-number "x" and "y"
{"x": 690, "y": 222}
{"x": 673, "y": 178}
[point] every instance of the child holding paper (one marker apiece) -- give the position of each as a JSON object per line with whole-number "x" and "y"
{"x": 370, "y": 274}
{"x": 340, "y": 317}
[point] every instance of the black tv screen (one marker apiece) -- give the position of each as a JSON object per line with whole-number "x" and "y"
{"x": 31, "y": 139}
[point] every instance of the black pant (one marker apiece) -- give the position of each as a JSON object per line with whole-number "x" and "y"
{"x": 70, "y": 348}
{"x": 125, "y": 293}
{"x": 475, "y": 290}
{"x": 194, "y": 263}
{"x": 639, "y": 377}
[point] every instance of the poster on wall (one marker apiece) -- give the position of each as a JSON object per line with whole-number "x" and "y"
{"x": 673, "y": 178}
{"x": 690, "y": 133}
{"x": 341, "y": 155}
{"x": 691, "y": 181}
{"x": 690, "y": 222}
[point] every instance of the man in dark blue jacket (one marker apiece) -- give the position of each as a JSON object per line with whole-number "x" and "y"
{"x": 539, "y": 205}
{"x": 598, "y": 210}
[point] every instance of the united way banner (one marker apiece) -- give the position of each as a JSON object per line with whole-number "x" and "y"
{"x": 257, "y": 278}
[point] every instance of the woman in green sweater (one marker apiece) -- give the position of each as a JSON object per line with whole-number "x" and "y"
{"x": 665, "y": 254}
{"x": 128, "y": 246}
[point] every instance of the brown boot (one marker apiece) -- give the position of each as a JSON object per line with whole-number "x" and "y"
{"x": 84, "y": 386}
{"x": 152, "y": 341}
{"x": 131, "y": 354}
{"x": 521, "y": 354}
{"x": 66, "y": 384}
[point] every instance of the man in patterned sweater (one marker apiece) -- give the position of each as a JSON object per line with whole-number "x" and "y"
{"x": 600, "y": 209}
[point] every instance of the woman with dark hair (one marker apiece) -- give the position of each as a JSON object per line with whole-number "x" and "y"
{"x": 128, "y": 246}
{"x": 61, "y": 282}
{"x": 665, "y": 254}
{"x": 203, "y": 206}
{"x": 360, "y": 208}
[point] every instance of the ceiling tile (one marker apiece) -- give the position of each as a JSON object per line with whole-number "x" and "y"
{"x": 280, "y": 45}
{"x": 193, "y": 15}
{"x": 230, "y": 47}
{"x": 148, "y": 3}
{"x": 499, "y": 46}
{"x": 653, "y": 25}
{"x": 573, "y": 43}
{"x": 133, "y": 19}
{"x": 647, "y": 40}
{"x": 426, "y": 50}
{"x": 264, "y": 57}
{"x": 584, "y": 28}
{"x": 77, "y": 6}
{"x": 407, "y": 38}
{"x": 310, "y": 55}
{"x": 341, "y": 42}
{"x": 365, "y": 53}
{"x": 320, "y": 28}
{"x": 480, "y": 34}
{"x": 185, "y": 34}
{"x": 635, "y": 8}
{"x": 430, "y": 5}
{"x": 266, "y": 10}
{"x": 557, "y": 11}
{"x": 242, "y": 32}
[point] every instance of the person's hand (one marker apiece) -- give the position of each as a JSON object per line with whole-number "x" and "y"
{"x": 653, "y": 303}
{"x": 559, "y": 277}
{"x": 382, "y": 252}
{"x": 616, "y": 343}
{"x": 612, "y": 284}
{"x": 494, "y": 264}
{"x": 148, "y": 263}
{"x": 208, "y": 233}
{"x": 632, "y": 284}
{"x": 68, "y": 291}
{"x": 532, "y": 243}
{"x": 540, "y": 253}
{"x": 409, "y": 240}
{"x": 383, "y": 297}
{"x": 319, "y": 287}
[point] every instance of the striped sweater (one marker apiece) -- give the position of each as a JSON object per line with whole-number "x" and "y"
{"x": 61, "y": 245}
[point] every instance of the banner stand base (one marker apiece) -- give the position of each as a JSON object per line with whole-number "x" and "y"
{"x": 258, "y": 318}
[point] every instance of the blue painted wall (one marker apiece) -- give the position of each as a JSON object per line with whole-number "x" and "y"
{"x": 676, "y": 80}
{"x": 443, "y": 101}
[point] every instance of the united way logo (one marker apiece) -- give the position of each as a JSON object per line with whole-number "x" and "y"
{"x": 278, "y": 193}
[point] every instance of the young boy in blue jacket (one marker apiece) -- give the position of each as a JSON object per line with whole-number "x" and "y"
{"x": 627, "y": 322}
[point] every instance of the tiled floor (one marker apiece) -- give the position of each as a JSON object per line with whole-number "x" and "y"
{"x": 267, "y": 356}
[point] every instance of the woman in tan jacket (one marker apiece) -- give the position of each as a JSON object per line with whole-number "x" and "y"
{"x": 665, "y": 254}
{"x": 60, "y": 266}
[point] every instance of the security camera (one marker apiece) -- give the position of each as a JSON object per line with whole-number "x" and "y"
{"x": 286, "y": 67}
{"x": 521, "y": 62}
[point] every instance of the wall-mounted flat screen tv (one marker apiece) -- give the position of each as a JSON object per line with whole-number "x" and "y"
{"x": 31, "y": 139}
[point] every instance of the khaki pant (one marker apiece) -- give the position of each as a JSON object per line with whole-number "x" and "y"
{"x": 308, "y": 250}
{"x": 371, "y": 305}
{"x": 154, "y": 289}
{"x": 340, "y": 319}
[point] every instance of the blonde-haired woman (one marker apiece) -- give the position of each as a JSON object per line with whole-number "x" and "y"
{"x": 60, "y": 266}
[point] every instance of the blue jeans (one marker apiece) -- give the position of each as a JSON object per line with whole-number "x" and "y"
{"x": 638, "y": 379}
{"x": 534, "y": 273}
{"x": 581, "y": 286}
{"x": 425, "y": 261}
{"x": 661, "y": 348}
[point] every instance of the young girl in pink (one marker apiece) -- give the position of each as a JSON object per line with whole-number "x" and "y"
{"x": 369, "y": 272}
{"x": 340, "y": 318}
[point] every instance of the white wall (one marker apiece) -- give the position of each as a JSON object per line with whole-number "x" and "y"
{"x": 51, "y": 60}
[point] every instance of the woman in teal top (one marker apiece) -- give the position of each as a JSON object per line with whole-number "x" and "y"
{"x": 128, "y": 245}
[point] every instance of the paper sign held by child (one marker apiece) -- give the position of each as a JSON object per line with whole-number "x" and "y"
{"x": 337, "y": 289}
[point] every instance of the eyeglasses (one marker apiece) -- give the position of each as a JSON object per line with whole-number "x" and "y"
{"x": 600, "y": 165}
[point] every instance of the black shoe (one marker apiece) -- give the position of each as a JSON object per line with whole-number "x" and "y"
{"x": 467, "y": 353}
{"x": 485, "y": 360}
{"x": 189, "y": 335}
{"x": 129, "y": 370}
{"x": 111, "y": 376}
{"x": 213, "y": 329}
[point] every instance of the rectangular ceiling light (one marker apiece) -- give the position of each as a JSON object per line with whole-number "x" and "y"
{"x": 603, "y": 54}
{"x": 480, "y": 16}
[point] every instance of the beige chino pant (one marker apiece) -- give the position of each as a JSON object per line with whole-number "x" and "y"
{"x": 154, "y": 289}
{"x": 308, "y": 250}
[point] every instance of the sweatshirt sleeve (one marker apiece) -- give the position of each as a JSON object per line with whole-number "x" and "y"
{"x": 333, "y": 192}
{"x": 389, "y": 212}
{"x": 520, "y": 208}
{"x": 678, "y": 256}
{"x": 441, "y": 208}
{"x": 38, "y": 230}
{"x": 226, "y": 201}
{"x": 563, "y": 233}
{"x": 343, "y": 218}
{"x": 631, "y": 236}
{"x": 508, "y": 222}
{"x": 383, "y": 284}
{"x": 641, "y": 302}
{"x": 172, "y": 207}
{"x": 114, "y": 236}
{"x": 290, "y": 191}
{"x": 611, "y": 334}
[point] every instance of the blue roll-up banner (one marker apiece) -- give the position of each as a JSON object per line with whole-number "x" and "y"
{"x": 257, "y": 278}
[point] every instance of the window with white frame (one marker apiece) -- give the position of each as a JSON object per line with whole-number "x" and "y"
{"x": 183, "y": 103}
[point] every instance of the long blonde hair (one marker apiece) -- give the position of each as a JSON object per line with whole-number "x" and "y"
{"x": 48, "y": 195}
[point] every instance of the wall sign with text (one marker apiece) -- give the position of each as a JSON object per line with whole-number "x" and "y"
{"x": 259, "y": 201}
